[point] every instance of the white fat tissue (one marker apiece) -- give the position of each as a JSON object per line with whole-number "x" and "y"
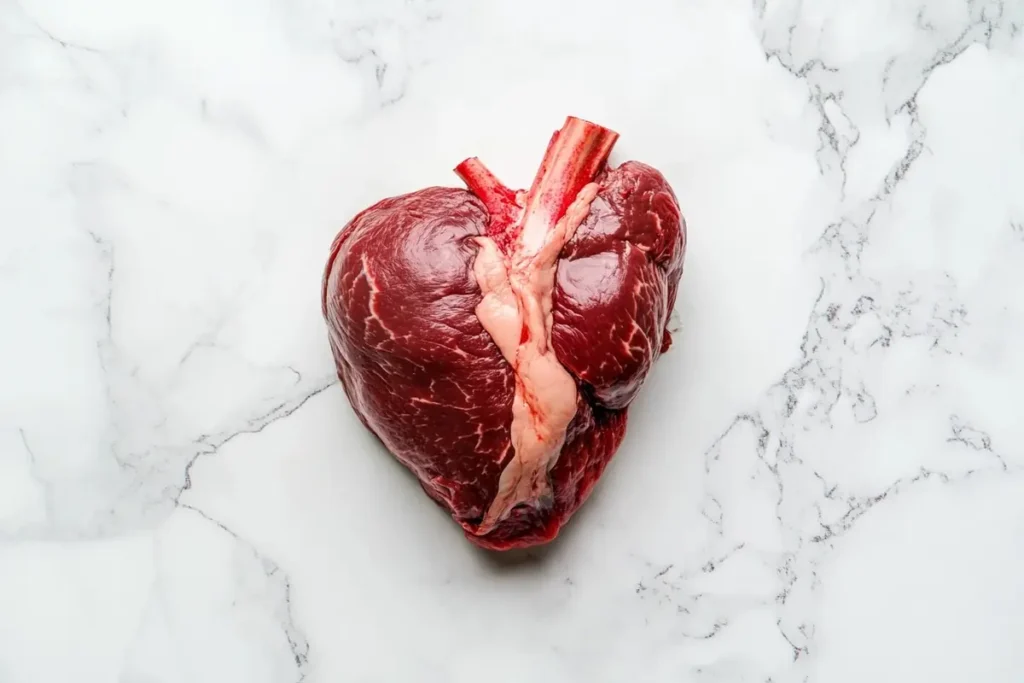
{"x": 497, "y": 311}
{"x": 517, "y": 294}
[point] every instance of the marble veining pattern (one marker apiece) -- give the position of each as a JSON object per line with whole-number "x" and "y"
{"x": 823, "y": 481}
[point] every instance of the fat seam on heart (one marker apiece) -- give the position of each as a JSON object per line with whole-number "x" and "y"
{"x": 517, "y": 287}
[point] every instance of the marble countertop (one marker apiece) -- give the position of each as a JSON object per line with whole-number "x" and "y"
{"x": 823, "y": 480}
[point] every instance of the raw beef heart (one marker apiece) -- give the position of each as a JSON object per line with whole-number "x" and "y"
{"x": 493, "y": 340}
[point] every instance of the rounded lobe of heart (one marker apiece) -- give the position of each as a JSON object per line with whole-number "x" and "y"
{"x": 417, "y": 366}
{"x": 616, "y": 284}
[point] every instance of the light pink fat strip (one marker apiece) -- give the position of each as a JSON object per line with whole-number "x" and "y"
{"x": 517, "y": 291}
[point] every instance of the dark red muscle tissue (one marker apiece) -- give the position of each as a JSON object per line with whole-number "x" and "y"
{"x": 493, "y": 339}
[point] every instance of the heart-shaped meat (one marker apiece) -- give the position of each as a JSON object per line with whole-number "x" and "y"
{"x": 493, "y": 340}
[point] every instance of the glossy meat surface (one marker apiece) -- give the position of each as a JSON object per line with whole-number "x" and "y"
{"x": 421, "y": 372}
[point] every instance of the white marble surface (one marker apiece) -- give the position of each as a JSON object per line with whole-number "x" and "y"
{"x": 823, "y": 482}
